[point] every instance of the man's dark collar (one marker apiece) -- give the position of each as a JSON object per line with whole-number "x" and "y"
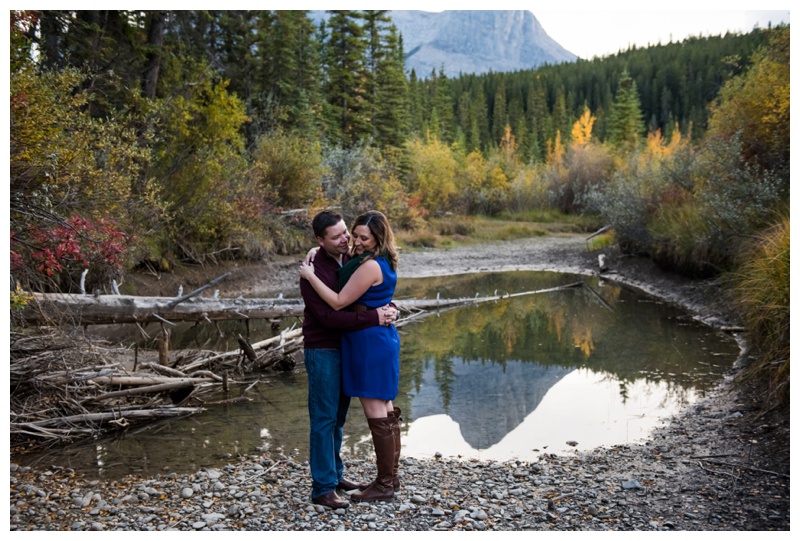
{"x": 329, "y": 256}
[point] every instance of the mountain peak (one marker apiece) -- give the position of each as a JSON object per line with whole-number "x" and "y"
{"x": 474, "y": 41}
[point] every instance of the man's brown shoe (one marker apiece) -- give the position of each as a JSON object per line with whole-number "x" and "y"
{"x": 332, "y": 500}
{"x": 347, "y": 485}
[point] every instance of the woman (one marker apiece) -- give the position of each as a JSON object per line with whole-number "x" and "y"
{"x": 370, "y": 357}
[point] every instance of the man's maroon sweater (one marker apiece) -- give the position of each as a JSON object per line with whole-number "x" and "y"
{"x": 322, "y": 325}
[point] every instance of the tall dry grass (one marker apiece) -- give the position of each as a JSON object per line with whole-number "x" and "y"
{"x": 761, "y": 290}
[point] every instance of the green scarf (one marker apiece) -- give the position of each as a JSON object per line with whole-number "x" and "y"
{"x": 345, "y": 272}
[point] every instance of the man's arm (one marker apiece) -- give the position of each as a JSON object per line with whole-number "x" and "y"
{"x": 336, "y": 319}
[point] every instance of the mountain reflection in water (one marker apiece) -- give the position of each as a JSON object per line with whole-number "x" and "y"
{"x": 595, "y": 365}
{"x": 488, "y": 401}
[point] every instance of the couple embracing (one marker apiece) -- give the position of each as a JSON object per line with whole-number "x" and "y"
{"x": 351, "y": 348}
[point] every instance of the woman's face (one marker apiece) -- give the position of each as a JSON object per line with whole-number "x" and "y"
{"x": 363, "y": 241}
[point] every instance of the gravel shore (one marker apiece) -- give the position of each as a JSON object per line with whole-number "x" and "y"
{"x": 723, "y": 464}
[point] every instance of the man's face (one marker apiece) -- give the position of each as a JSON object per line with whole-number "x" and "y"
{"x": 336, "y": 240}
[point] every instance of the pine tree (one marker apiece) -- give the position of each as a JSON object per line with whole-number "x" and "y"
{"x": 443, "y": 106}
{"x": 391, "y": 104}
{"x": 625, "y": 124}
{"x": 415, "y": 103}
{"x": 561, "y": 120}
{"x": 375, "y": 30}
{"x": 344, "y": 88}
{"x": 499, "y": 112}
{"x": 537, "y": 119}
{"x": 480, "y": 117}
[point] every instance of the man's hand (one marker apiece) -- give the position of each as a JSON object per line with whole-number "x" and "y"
{"x": 387, "y": 315}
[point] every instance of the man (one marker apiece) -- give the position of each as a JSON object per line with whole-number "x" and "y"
{"x": 322, "y": 328}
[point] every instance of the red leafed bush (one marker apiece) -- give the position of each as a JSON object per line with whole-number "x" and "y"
{"x": 53, "y": 258}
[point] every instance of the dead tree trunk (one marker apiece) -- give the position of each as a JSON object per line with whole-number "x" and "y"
{"x": 163, "y": 348}
{"x": 88, "y": 310}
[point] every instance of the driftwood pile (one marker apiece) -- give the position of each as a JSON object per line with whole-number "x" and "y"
{"x": 65, "y": 387}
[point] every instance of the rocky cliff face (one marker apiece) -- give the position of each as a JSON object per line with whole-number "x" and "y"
{"x": 476, "y": 41}
{"x": 473, "y": 41}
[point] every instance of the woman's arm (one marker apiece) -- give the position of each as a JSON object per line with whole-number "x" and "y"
{"x": 312, "y": 253}
{"x": 368, "y": 274}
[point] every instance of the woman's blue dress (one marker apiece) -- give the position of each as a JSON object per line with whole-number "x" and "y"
{"x": 371, "y": 357}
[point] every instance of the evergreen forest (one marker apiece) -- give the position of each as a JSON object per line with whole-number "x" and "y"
{"x": 150, "y": 138}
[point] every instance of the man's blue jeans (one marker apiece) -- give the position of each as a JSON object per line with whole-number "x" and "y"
{"x": 327, "y": 412}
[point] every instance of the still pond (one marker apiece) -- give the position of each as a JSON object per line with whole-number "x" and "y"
{"x": 551, "y": 372}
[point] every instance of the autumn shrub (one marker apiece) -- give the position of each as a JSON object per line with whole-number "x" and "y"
{"x": 601, "y": 241}
{"x": 471, "y": 170}
{"x": 289, "y": 235}
{"x": 584, "y": 167}
{"x": 626, "y": 203}
{"x": 682, "y": 241}
{"x": 502, "y": 174}
{"x": 431, "y": 175}
{"x": 358, "y": 179}
{"x": 754, "y": 106}
{"x": 200, "y": 166}
{"x": 729, "y": 200}
{"x": 76, "y": 191}
{"x": 761, "y": 285}
{"x": 737, "y": 178}
{"x": 63, "y": 161}
{"x": 71, "y": 256}
{"x": 528, "y": 192}
{"x": 289, "y": 166}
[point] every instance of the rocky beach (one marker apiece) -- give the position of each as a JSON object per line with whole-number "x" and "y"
{"x": 720, "y": 465}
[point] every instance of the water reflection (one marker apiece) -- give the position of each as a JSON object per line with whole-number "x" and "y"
{"x": 582, "y": 408}
{"x": 594, "y": 365}
{"x": 521, "y": 375}
{"x": 486, "y": 401}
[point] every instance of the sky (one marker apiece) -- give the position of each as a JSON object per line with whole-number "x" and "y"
{"x": 577, "y": 31}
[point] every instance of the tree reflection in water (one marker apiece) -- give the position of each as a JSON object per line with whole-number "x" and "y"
{"x": 602, "y": 349}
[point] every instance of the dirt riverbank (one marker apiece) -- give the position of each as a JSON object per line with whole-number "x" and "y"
{"x": 721, "y": 465}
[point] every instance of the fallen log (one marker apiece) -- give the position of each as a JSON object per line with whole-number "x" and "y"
{"x": 165, "y": 370}
{"x": 121, "y": 380}
{"x": 88, "y": 310}
{"x": 289, "y": 337}
{"x": 427, "y": 304}
{"x": 108, "y": 417}
{"x": 168, "y": 386}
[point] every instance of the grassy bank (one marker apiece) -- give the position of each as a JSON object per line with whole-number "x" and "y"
{"x": 452, "y": 230}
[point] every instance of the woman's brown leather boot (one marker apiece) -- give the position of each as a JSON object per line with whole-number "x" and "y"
{"x": 383, "y": 439}
{"x": 396, "y": 433}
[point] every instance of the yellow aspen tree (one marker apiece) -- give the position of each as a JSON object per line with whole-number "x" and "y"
{"x": 655, "y": 144}
{"x": 582, "y": 129}
{"x": 556, "y": 151}
{"x": 508, "y": 144}
{"x": 675, "y": 141}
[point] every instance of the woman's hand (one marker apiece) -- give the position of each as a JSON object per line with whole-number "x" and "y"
{"x": 312, "y": 253}
{"x": 306, "y": 270}
{"x": 387, "y": 315}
